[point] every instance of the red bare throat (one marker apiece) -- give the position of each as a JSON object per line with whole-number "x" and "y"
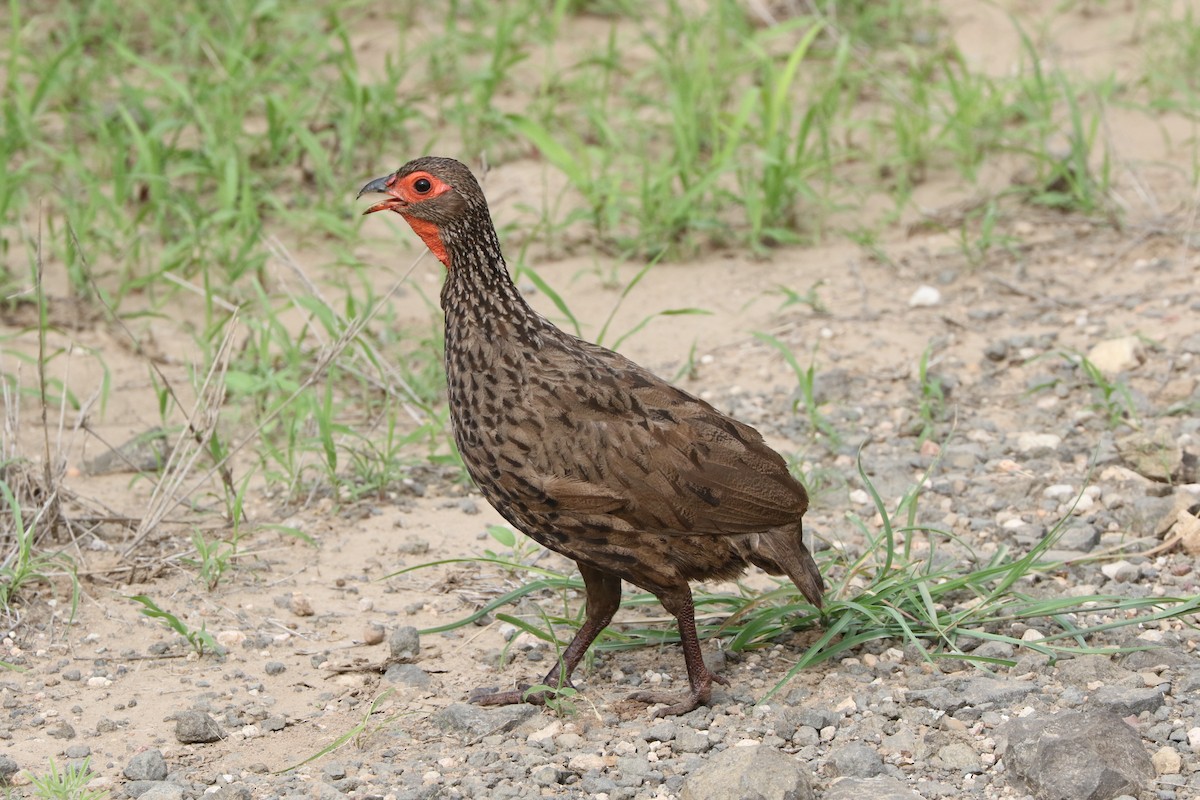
{"x": 431, "y": 235}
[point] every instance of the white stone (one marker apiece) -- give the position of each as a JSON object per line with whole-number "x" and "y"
{"x": 1059, "y": 491}
{"x": 1167, "y": 761}
{"x": 1114, "y": 356}
{"x": 548, "y": 732}
{"x": 1084, "y": 504}
{"x": 1194, "y": 739}
{"x": 1030, "y": 442}
{"x": 1119, "y": 571}
{"x": 924, "y": 297}
{"x": 586, "y": 762}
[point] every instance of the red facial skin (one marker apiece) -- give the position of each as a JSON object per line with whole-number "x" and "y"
{"x": 417, "y": 187}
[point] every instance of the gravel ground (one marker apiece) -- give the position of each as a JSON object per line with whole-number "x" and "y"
{"x": 1030, "y": 442}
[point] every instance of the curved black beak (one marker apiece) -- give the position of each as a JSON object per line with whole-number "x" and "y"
{"x": 382, "y": 186}
{"x": 378, "y": 185}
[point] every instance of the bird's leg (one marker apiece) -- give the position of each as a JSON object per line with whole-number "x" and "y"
{"x": 603, "y": 599}
{"x": 701, "y": 678}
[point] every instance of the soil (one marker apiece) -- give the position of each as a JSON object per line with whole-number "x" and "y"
{"x": 302, "y": 623}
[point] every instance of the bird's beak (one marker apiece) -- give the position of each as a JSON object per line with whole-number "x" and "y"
{"x": 381, "y": 186}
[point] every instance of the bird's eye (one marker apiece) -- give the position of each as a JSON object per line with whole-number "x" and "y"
{"x": 422, "y": 185}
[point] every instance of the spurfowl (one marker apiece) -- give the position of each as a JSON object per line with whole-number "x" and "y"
{"x": 588, "y": 453}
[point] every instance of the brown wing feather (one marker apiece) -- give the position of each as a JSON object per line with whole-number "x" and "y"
{"x": 653, "y": 457}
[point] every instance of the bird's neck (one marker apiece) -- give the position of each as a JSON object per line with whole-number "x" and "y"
{"x": 479, "y": 297}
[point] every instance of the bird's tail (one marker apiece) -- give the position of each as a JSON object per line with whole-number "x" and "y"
{"x": 782, "y": 551}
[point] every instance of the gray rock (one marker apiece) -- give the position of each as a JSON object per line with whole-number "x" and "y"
{"x": 1075, "y": 755}
{"x": 996, "y": 351}
{"x": 663, "y": 731}
{"x": 938, "y": 789}
{"x": 162, "y": 790}
{"x": 228, "y": 792}
{"x": 816, "y": 718}
{"x": 1082, "y": 670}
{"x": 404, "y": 644}
{"x": 274, "y": 668}
{"x": 1080, "y": 538}
{"x": 8, "y": 768}
{"x": 990, "y": 691}
{"x": 597, "y": 784}
{"x": 962, "y": 456}
{"x": 196, "y": 727}
{"x": 994, "y": 649}
{"x": 147, "y": 766}
{"x": 632, "y": 771}
{"x": 62, "y": 730}
{"x": 413, "y": 545}
{"x": 472, "y": 722}
{"x": 805, "y": 735}
{"x": 960, "y": 757}
{"x": 1153, "y": 454}
{"x": 689, "y": 740}
{"x": 903, "y": 740}
{"x": 320, "y": 790}
{"x": 938, "y": 697}
{"x": 857, "y": 761}
{"x": 152, "y": 789}
{"x": 756, "y": 772}
{"x": 408, "y": 675}
{"x": 1124, "y": 701}
{"x": 970, "y": 692}
{"x": 547, "y": 775}
{"x": 1186, "y": 684}
{"x": 1171, "y": 656}
{"x": 878, "y": 788}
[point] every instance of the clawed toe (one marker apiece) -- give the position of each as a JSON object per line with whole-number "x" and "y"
{"x": 492, "y": 696}
{"x": 675, "y": 705}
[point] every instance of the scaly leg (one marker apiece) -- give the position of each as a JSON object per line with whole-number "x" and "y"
{"x": 679, "y": 602}
{"x": 603, "y": 599}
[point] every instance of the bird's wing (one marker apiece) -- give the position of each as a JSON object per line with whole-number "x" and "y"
{"x": 652, "y": 457}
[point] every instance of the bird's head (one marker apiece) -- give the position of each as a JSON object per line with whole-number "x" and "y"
{"x": 433, "y": 195}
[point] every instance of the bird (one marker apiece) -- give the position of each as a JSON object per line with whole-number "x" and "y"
{"x": 590, "y": 454}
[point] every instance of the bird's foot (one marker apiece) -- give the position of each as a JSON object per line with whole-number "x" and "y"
{"x": 492, "y": 696}
{"x": 675, "y": 705}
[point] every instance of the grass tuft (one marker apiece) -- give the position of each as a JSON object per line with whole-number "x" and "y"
{"x": 896, "y": 591}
